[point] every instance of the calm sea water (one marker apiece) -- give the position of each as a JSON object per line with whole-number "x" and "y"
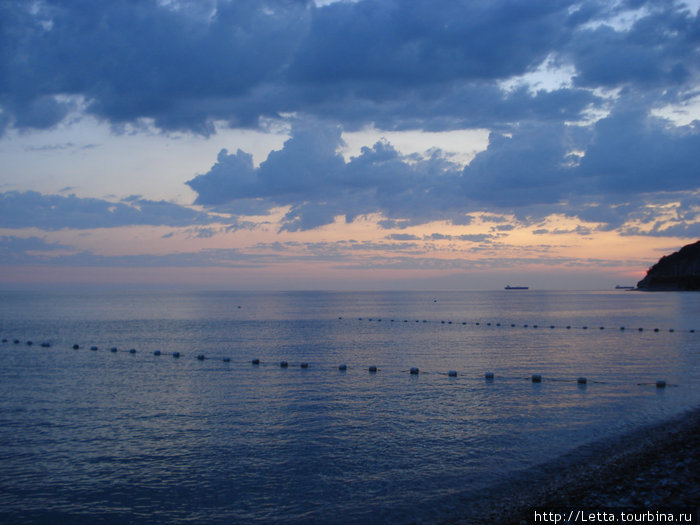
{"x": 117, "y": 437}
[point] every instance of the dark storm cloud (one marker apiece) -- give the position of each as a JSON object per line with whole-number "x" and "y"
{"x": 431, "y": 65}
{"x": 632, "y": 160}
{"x": 628, "y": 153}
{"x": 175, "y": 63}
{"x": 421, "y": 64}
{"x": 633, "y": 152}
{"x": 312, "y": 178}
{"x": 525, "y": 167}
{"x": 661, "y": 48}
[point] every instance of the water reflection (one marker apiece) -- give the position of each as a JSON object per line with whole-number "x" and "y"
{"x": 125, "y": 437}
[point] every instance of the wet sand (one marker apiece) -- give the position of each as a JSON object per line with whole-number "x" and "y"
{"x": 656, "y": 468}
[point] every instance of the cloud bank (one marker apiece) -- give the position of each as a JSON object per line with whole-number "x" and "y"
{"x": 431, "y": 65}
{"x": 31, "y": 209}
{"x": 617, "y": 171}
{"x": 575, "y": 95}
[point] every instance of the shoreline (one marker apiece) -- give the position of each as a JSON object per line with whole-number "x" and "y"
{"x": 655, "y": 467}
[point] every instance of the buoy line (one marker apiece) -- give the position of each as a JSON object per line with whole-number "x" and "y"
{"x": 489, "y": 377}
{"x": 531, "y": 326}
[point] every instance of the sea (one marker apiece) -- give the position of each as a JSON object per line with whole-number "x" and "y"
{"x": 129, "y": 433}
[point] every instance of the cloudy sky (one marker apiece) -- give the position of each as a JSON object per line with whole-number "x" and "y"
{"x": 392, "y": 144}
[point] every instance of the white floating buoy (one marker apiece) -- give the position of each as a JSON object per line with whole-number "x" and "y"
{"x": 372, "y": 368}
{"x": 452, "y": 373}
{"x": 536, "y": 378}
{"x": 342, "y": 367}
{"x": 284, "y": 364}
{"x": 582, "y": 380}
{"x": 660, "y": 383}
{"x": 489, "y": 376}
{"x": 414, "y": 370}
{"x": 255, "y": 361}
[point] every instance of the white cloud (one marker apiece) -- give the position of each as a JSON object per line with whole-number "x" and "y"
{"x": 459, "y": 146}
{"x": 550, "y": 75}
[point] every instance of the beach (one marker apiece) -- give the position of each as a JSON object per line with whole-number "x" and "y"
{"x": 654, "y": 469}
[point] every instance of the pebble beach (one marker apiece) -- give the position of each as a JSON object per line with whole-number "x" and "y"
{"x": 654, "y": 469}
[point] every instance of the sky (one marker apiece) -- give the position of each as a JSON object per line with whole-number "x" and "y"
{"x": 346, "y": 145}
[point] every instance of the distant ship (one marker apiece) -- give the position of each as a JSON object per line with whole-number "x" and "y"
{"x": 620, "y": 287}
{"x": 509, "y": 287}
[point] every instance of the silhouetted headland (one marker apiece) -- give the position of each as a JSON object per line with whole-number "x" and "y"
{"x": 679, "y": 271}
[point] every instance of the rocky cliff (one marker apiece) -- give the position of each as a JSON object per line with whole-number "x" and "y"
{"x": 678, "y": 271}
